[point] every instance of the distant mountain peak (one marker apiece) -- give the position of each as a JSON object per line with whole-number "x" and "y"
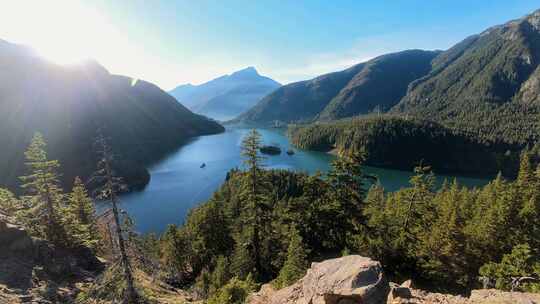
{"x": 249, "y": 71}
{"x": 185, "y": 85}
{"x": 226, "y": 96}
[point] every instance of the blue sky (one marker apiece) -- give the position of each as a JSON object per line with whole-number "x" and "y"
{"x": 174, "y": 42}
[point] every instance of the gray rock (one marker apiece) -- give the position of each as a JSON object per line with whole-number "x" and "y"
{"x": 346, "y": 280}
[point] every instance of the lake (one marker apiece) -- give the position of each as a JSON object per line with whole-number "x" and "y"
{"x": 178, "y": 183}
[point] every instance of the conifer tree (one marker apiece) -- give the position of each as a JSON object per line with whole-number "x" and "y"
{"x": 441, "y": 246}
{"x": 234, "y": 292}
{"x": 521, "y": 264}
{"x": 296, "y": 263}
{"x": 243, "y": 261}
{"x": 174, "y": 251}
{"x": 418, "y": 201}
{"x": 43, "y": 193}
{"x": 9, "y": 204}
{"x": 378, "y": 228}
{"x": 81, "y": 217}
{"x": 347, "y": 192}
{"x": 110, "y": 186}
{"x": 255, "y": 200}
{"x": 221, "y": 274}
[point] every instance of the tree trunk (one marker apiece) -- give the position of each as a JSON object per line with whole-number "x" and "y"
{"x": 130, "y": 294}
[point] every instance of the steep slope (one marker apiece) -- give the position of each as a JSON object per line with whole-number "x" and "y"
{"x": 69, "y": 104}
{"x": 227, "y": 96}
{"x": 377, "y": 84}
{"x": 488, "y": 84}
{"x": 300, "y": 101}
{"x": 380, "y": 84}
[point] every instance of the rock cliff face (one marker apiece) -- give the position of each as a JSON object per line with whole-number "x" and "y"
{"x": 359, "y": 280}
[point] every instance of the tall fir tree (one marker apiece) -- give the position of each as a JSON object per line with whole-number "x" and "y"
{"x": 256, "y": 210}
{"x": 43, "y": 194}
{"x": 347, "y": 192}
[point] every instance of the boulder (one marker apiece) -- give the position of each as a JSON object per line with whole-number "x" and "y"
{"x": 14, "y": 238}
{"x": 400, "y": 293}
{"x": 345, "y": 280}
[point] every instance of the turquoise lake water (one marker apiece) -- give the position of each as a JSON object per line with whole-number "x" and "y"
{"x": 178, "y": 183}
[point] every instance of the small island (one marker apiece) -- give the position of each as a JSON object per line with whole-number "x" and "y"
{"x": 290, "y": 152}
{"x": 270, "y": 150}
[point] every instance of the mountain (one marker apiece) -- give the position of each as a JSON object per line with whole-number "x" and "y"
{"x": 377, "y": 84}
{"x": 300, "y": 101}
{"x": 227, "y": 96}
{"x": 68, "y": 104}
{"x": 380, "y": 84}
{"x": 488, "y": 84}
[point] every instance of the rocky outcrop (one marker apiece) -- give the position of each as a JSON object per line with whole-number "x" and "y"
{"x": 12, "y": 237}
{"x": 405, "y": 294}
{"x": 360, "y": 280}
{"x": 34, "y": 270}
{"x": 492, "y": 296}
{"x": 350, "y": 279}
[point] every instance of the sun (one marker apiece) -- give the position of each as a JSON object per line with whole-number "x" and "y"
{"x": 64, "y": 32}
{"x": 64, "y": 54}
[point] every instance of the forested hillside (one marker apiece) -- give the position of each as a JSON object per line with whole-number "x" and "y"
{"x": 404, "y": 143}
{"x": 379, "y": 85}
{"x": 375, "y": 85}
{"x": 68, "y": 104}
{"x": 268, "y": 225}
{"x": 471, "y": 114}
{"x": 488, "y": 84}
{"x": 299, "y": 101}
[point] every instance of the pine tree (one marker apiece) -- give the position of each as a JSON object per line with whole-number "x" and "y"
{"x": 110, "y": 186}
{"x": 43, "y": 193}
{"x": 221, "y": 274}
{"x": 243, "y": 262}
{"x": 234, "y": 292}
{"x": 521, "y": 263}
{"x": 528, "y": 183}
{"x": 174, "y": 252}
{"x": 441, "y": 246}
{"x": 256, "y": 209}
{"x": 296, "y": 263}
{"x": 418, "y": 213}
{"x": 9, "y": 204}
{"x": 81, "y": 217}
{"x": 345, "y": 196}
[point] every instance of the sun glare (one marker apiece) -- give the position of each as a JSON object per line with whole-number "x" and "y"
{"x": 64, "y": 32}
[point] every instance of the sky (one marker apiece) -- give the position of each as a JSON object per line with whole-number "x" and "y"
{"x": 192, "y": 41}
